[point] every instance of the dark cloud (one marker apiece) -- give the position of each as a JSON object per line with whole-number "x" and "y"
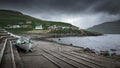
{"x": 13, "y": 1}
{"x": 110, "y": 6}
{"x": 66, "y": 6}
{"x": 71, "y": 10}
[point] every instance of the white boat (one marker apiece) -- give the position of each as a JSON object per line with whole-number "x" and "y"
{"x": 24, "y": 43}
{"x": 26, "y": 47}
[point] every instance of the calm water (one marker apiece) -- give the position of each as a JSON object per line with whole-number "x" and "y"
{"x": 104, "y": 43}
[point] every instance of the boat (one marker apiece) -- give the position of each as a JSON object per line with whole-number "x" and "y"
{"x": 26, "y": 47}
{"x": 24, "y": 43}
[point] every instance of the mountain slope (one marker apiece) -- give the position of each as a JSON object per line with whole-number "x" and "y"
{"x": 107, "y": 27}
{"x": 9, "y": 19}
{"x": 14, "y": 17}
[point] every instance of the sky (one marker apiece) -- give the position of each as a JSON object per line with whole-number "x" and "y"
{"x": 81, "y": 13}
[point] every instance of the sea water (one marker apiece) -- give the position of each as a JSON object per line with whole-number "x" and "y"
{"x": 99, "y": 43}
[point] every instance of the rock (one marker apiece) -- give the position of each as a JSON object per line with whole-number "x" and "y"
{"x": 104, "y": 53}
{"x": 113, "y": 54}
{"x": 71, "y": 44}
{"x": 113, "y": 49}
{"x": 92, "y": 50}
{"x": 87, "y": 50}
{"x": 59, "y": 39}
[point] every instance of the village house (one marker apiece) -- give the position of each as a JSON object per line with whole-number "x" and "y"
{"x": 74, "y": 28}
{"x": 65, "y": 27}
{"x": 39, "y": 27}
{"x": 16, "y": 26}
{"x": 12, "y": 26}
{"x": 21, "y": 23}
{"x": 54, "y": 27}
{"x": 28, "y": 22}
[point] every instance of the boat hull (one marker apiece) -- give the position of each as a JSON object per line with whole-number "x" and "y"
{"x": 26, "y": 47}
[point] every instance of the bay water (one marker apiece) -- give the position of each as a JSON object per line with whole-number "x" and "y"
{"x": 98, "y": 43}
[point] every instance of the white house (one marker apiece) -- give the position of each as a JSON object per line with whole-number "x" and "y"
{"x": 12, "y": 26}
{"x": 16, "y": 26}
{"x": 39, "y": 27}
{"x": 28, "y": 22}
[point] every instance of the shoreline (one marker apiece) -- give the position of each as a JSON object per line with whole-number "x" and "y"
{"x": 57, "y": 43}
{"x": 84, "y": 50}
{"x": 87, "y": 50}
{"x": 41, "y": 37}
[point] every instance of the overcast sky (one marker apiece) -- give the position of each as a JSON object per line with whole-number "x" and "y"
{"x": 82, "y": 13}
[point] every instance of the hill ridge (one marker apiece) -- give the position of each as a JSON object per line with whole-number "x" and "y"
{"x": 14, "y": 17}
{"x": 107, "y": 27}
{"x": 12, "y": 12}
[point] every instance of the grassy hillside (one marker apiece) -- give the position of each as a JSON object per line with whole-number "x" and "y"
{"x": 14, "y": 17}
{"x": 107, "y": 27}
{"x": 10, "y": 18}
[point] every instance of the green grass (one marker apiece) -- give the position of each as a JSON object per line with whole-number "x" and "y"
{"x": 10, "y": 17}
{"x": 18, "y": 30}
{"x": 7, "y": 18}
{"x": 14, "y": 19}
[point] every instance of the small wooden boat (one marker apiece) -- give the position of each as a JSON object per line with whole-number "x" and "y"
{"x": 26, "y": 47}
{"x": 24, "y": 43}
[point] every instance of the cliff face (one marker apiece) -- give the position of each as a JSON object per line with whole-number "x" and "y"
{"x": 107, "y": 27}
